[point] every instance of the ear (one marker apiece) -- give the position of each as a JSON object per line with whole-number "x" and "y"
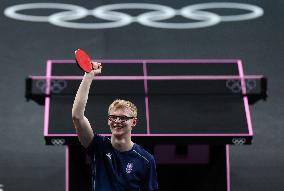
{"x": 134, "y": 122}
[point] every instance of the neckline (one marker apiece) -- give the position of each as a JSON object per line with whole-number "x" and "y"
{"x": 124, "y": 152}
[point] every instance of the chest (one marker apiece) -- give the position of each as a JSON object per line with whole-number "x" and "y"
{"x": 125, "y": 166}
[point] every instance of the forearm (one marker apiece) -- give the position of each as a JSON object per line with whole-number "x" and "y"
{"x": 81, "y": 97}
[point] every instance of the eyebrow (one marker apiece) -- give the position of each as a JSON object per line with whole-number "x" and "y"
{"x": 120, "y": 116}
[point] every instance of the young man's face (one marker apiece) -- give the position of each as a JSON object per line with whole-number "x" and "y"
{"x": 121, "y": 121}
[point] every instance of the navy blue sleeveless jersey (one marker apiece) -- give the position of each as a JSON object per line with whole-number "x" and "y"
{"x": 133, "y": 170}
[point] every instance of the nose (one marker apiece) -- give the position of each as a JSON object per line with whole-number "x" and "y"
{"x": 117, "y": 119}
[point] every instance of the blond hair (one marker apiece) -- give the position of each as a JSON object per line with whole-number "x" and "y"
{"x": 120, "y": 103}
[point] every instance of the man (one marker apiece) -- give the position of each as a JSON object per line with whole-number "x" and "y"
{"x": 118, "y": 164}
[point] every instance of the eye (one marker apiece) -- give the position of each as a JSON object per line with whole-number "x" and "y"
{"x": 111, "y": 117}
{"x": 123, "y": 118}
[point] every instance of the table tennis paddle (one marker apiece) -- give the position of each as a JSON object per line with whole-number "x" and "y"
{"x": 83, "y": 60}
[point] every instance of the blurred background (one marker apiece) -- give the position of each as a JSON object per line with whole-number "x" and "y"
{"x": 28, "y": 42}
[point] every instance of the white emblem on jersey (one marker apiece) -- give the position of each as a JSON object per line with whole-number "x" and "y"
{"x": 129, "y": 168}
{"x": 109, "y": 155}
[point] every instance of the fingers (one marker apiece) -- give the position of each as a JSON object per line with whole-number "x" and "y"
{"x": 97, "y": 67}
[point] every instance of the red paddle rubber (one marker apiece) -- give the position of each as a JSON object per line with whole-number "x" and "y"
{"x": 83, "y": 60}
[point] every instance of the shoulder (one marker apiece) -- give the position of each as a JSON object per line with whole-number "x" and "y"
{"x": 97, "y": 143}
{"x": 99, "y": 139}
{"x": 141, "y": 152}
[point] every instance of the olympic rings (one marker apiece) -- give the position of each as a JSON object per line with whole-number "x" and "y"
{"x": 152, "y": 18}
{"x": 238, "y": 141}
{"x": 56, "y": 85}
{"x": 58, "y": 142}
{"x": 236, "y": 87}
{"x": 12, "y": 11}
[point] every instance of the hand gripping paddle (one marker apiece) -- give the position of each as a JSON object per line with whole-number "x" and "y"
{"x": 83, "y": 60}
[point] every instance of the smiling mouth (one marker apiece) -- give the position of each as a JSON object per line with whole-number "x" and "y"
{"x": 117, "y": 127}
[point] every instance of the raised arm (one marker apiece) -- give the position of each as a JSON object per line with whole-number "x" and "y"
{"x": 81, "y": 123}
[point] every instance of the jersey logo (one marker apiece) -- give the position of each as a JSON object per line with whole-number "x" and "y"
{"x": 129, "y": 168}
{"x": 109, "y": 155}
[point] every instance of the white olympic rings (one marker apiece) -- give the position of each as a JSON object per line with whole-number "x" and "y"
{"x": 152, "y": 18}
{"x": 236, "y": 85}
{"x": 58, "y": 142}
{"x": 239, "y": 141}
{"x": 56, "y": 86}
